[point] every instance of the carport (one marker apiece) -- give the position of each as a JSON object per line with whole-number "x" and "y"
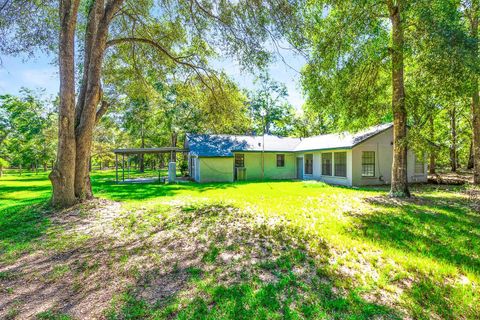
{"x": 127, "y": 153}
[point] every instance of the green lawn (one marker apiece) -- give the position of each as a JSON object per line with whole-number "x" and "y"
{"x": 258, "y": 250}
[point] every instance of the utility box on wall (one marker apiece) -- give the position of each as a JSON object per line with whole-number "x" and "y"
{"x": 172, "y": 171}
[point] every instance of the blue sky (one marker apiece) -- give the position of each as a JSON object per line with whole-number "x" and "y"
{"x": 39, "y": 72}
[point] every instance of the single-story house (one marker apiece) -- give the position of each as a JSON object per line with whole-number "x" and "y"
{"x": 363, "y": 158}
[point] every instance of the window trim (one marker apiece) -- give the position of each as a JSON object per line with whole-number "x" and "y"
{"x": 374, "y": 164}
{"x": 282, "y": 155}
{"x": 335, "y": 164}
{"x": 331, "y": 164}
{"x": 242, "y": 155}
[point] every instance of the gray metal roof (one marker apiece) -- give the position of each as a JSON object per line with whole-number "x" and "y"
{"x": 340, "y": 140}
{"x": 218, "y": 145}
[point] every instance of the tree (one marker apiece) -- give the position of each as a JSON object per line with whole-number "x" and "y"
{"x": 471, "y": 10}
{"x": 3, "y": 164}
{"x": 27, "y": 131}
{"x": 183, "y": 33}
{"x": 356, "y": 59}
{"x": 366, "y": 55}
{"x": 270, "y": 98}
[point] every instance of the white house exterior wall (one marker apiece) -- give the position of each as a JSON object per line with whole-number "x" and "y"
{"x": 382, "y": 145}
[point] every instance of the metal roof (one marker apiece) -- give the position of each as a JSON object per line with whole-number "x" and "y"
{"x": 340, "y": 140}
{"x": 218, "y": 145}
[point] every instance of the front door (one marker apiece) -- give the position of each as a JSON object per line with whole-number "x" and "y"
{"x": 299, "y": 168}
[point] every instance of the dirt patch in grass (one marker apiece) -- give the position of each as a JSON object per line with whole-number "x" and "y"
{"x": 71, "y": 269}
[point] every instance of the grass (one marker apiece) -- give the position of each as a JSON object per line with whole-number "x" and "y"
{"x": 261, "y": 250}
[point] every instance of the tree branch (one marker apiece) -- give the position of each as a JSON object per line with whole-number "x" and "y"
{"x": 101, "y": 111}
{"x": 154, "y": 44}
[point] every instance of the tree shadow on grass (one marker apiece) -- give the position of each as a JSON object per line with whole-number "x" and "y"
{"x": 441, "y": 229}
{"x": 435, "y": 228}
{"x": 144, "y": 191}
{"x": 5, "y": 190}
{"x": 20, "y": 226}
{"x": 241, "y": 271}
{"x": 198, "y": 262}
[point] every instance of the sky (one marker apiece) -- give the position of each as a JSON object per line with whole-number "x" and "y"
{"x": 40, "y": 73}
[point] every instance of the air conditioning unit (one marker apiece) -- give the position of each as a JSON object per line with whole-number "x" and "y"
{"x": 241, "y": 173}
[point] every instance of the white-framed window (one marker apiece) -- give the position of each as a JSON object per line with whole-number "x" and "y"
{"x": 340, "y": 164}
{"x": 327, "y": 164}
{"x": 368, "y": 164}
{"x": 280, "y": 160}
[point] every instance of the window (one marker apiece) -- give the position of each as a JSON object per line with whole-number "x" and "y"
{"x": 419, "y": 166}
{"x": 280, "y": 160}
{"x": 308, "y": 163}
{"x": 340, "y": 164}
{"x": 239, "y": 160}
{"x": 368, "y": 164}
{"x": 327, "y": 164}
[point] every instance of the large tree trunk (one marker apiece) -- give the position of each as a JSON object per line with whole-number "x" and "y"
{"x": 86, "y": 113}
{"x": 63, "y": 173}
{"x": 432, "y": 165}
{"x": 453, "y": 143}
{"x": 399, "y": 186}
{"x": 470, "y": 157}
{"x": 475, "y": 108}
{"x": 476, "y": 135}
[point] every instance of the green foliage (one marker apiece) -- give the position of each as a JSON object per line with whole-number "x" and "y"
{"x": 3, "y": 163}
{"x": 29, "y": 134}
{"x": 271, "y": 113}
{"x": 52, "y": 315}
{"x": 348, "y": 77}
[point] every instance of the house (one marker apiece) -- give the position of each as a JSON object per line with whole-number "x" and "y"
{"x": 363, "y": 158}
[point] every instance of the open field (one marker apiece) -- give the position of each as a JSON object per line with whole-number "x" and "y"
{"x": 257, "y": 250}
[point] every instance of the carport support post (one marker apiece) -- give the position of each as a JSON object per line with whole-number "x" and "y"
{"x": 128, "y": 166}
{"x": 158, "y": 157}
{"x": 116, "y": 167}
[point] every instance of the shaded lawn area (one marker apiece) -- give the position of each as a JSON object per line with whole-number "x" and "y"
{"x": 262, "y": 250}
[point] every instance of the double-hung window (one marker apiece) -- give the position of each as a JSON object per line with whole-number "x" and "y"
{"x": 340, "y": 163}
{"x": 280, "y": 160}
{"x": 368, "y": 164}
{"x": 327, "y": 164}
